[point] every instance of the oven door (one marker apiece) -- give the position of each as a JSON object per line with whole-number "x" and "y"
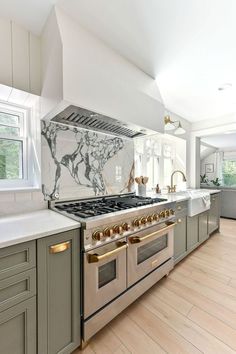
{"x": 104, "y": 275}
{"x": 148, "y": 249}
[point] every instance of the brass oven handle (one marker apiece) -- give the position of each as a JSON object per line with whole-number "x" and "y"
{"x": 60, "y": 247}
{"x": 93, "y": 258}
{"x": 136, "y": 239}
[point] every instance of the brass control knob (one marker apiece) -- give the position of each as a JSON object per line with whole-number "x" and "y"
{"x": 97, "y": 235}
{"x": 162, "y": 214}
{"x": 172, "y": 212}
{"x": 137, "y": 222}
{"x": 155, "y": 217}
{"x": 143, "y": 220}
{"x": 167, "y": 213}
{"x": 108, "y": 232}
{"x": 126, "y": 226}
{"x": 150, "y": 218}
{"x": 117, "y": 229}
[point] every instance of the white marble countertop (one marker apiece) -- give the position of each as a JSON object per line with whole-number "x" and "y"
{"x": 25, "y": 227}
{"x": 179, "y": 196}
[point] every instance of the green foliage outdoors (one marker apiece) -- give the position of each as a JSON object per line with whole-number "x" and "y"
{"x": 10, "y": 159}
{"x": 229, "y": 173}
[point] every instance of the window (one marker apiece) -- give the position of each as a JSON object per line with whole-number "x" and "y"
{"x": 229, "y": 173}
{"x": 168, "y": 163}
{"x": 15, "y": 151}
{"x": 11, "y": 146}
{"x": 147, "y": 159}
{"x": 157, "y": 156}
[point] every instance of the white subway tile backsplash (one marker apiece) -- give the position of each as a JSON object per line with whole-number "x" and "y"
{"x": 21, "y": 202}
{"x": 23, "y": 196}
{"x": 7, "y": 197}
{"x": 37, "y": 196}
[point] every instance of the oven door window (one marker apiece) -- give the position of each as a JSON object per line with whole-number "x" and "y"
{"x": 151, "y": 248}
{"x": 106, "y": 273}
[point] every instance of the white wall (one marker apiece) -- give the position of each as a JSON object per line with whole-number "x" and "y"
{"x": 216, "y": 123}
{"x": 189, "y": 147}
{"x": 16, "y": 201}
{"x": 211, "y": 159}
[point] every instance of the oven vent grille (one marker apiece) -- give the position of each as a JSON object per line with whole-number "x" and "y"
{"x": 84, "y": 118}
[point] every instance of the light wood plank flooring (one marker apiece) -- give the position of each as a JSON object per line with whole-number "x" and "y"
{"x": 191, "y": 311}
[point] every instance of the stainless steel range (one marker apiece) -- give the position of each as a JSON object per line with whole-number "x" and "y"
{"x": 127, "y": 246}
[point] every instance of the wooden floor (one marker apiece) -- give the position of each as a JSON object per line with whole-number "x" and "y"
{"x": 191, "y": 311}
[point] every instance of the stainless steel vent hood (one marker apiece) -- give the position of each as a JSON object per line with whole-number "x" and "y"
{"x": 83, "y": 118}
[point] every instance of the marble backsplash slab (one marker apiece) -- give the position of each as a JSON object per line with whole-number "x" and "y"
{"x": 82, "y": 163}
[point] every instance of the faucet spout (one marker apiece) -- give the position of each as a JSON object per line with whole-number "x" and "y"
{"x": 172, "y": 187}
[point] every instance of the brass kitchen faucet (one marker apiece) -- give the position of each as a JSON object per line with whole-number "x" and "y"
{"x": 172, "y": 187}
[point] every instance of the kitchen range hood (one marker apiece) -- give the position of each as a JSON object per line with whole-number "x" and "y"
{"x": 87, "y": 85}
{"x": 87, "y": 119}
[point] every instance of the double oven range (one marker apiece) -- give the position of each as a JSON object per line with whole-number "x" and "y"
{"x": 127, "y": 246}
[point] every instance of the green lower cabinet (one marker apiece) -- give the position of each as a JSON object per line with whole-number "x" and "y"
{"x": 180, "y": 238}
{"x": 214, "y": 213}
{"x": 203, "y": 227}
{"x": 58, "y": 260}
{"x": 18, "y": 328}
{"x": 192, "y": 232}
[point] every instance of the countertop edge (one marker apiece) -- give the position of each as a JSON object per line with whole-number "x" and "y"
{"x": 32, "y": 237}
{"x": 22, "y": 228}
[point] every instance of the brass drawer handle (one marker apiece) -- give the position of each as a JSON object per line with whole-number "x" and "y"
{"x": 179, "y": 207}
{"x": 60, "y": 247}
{"x": 136, "y": 239}
{"x": 179, "y": 221}
{"x": 94, "y": 258}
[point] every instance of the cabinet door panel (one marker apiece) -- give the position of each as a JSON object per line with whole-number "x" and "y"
{"x": 18, "y": 328}
{"x": 6, "y": 54}
{"x": 192, "y": 232}
{"x": 20, "y": 57}
{"x": 214, "y": 213}
{"x": 203, "y": 226}
{"x": 17, "y": 288}
{"x": 35, "y": 72}
{"x": 58, "y": 293}
{"x": 180, "y": 237}
{"x": 16, "y": 259}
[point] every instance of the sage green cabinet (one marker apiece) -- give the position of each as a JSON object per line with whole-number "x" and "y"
{"x": 18, "y": 299}
{"x": 214, "y": 213}
{"x": 58, "y": 293}
{"x": 16, "y": 259}
{"x": 203, "y": 226}
{"x": 192, "y": 232}
{"x": 180, "y": 237}
{"x": 18, "y": 328}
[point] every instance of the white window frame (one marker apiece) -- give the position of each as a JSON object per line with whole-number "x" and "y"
{"x": 25, "y": 137}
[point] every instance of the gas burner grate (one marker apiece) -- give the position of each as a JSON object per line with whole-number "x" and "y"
{"x": 105, "y": 205}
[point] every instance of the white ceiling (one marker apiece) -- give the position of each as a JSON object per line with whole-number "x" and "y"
{"x": 221, "y": 141}
{"x": 187, "y": 45}
{"x": 31, "y": 14}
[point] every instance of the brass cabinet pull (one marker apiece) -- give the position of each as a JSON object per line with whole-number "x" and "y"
{"x": 179, "y": 207}
{"x": 93, "y": 258}
{"x": 60, "y": 247}
{"x": 136, "y": 239}
{"x": 179, "y": 221}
